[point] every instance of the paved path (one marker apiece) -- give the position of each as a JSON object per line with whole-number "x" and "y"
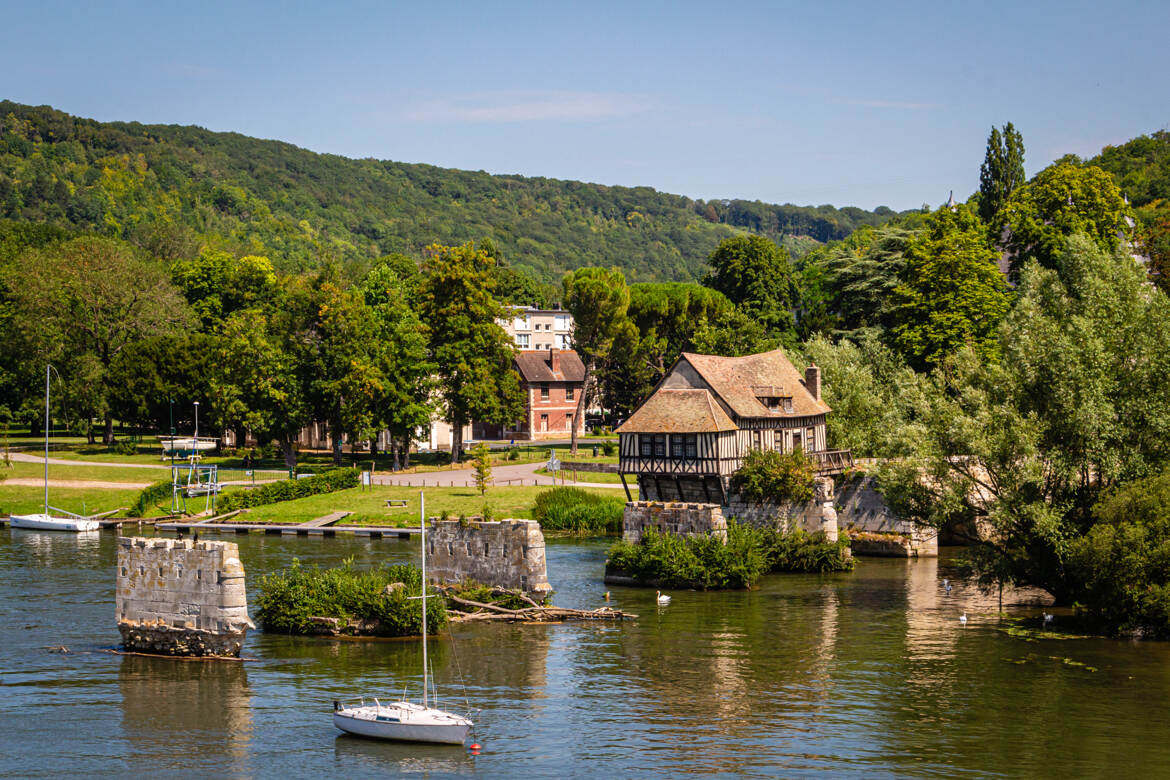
{"x": 24, "y": 457}
{"x": 75, "y": 483}
{"x": 519, "y": 474}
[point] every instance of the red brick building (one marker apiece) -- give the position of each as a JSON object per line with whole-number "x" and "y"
{"x": 552, "y": 380}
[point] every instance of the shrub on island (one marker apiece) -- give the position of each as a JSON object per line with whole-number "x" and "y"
{"x": 707, "y": 563}
{"x": 345, "y": 600}
{"x": 578, "y": 511}
{"x": 287, "y": 490}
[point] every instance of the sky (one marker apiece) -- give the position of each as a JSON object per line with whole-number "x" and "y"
{"x": 861, "y": 104}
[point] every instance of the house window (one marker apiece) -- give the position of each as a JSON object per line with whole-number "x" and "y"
{"x": 787, "y": 403}
{"x": 563, "y": 341}
{"x": 756, "y": 440}
{"x": 544, "y": 423}
{"x": 564, "y": 322}
{"x": 652, "y": 445}
{"x": 522, "y": 340}
{"x": 544, "y": 391}
{"x": 570, "y": 393}
{"x": 684, "y": 445}
{"x": 811, "y": 439}
{"x": 521, "y": 323}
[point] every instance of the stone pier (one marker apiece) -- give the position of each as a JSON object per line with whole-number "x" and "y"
{"x": 679, "y": 518}
{"x": 178, "y": 597}
{"x": 505, "y": 554}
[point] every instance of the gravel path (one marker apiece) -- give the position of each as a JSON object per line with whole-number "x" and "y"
{"x": 24, "y": 457}
{"x": 75, "y": 483}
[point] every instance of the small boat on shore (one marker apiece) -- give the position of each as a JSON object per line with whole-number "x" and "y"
{"x": 404, "y": 721}
{"x": 187, "y": 444}
{"x": 44, "y": 521}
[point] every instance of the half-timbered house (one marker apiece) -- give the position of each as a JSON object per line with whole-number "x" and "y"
{"x": 686, "y": 440}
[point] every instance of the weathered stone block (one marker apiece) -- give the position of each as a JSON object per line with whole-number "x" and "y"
{"x": 507, "y": 554}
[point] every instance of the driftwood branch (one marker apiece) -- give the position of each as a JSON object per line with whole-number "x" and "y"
{"x": 534, "y": 613}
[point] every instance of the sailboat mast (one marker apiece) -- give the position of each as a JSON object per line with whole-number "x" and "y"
{"x": 422, "y": 521}
{"x": 48, "y": 368}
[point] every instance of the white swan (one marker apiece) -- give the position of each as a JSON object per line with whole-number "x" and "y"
{"x": 662, "y": 599}
{"x": 1048, "y": 618}
{"x": 963, "y": 618}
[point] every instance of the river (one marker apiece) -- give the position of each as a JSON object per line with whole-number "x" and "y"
{"x": 866, "y": 674}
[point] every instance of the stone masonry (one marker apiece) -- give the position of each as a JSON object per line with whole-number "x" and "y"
{"x": 818, "y": 515}
{"x": 505, "y": 553}
{"x": 672, "y": 517}
{"x": 863, "y": 509}
{"x": 178, "y": 597}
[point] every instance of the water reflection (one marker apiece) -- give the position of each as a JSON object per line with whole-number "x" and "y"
{"x": 354, "y": 754}
{"x": 204, "y": 704}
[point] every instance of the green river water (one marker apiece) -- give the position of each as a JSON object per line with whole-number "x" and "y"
{"x": 867, "y": 674}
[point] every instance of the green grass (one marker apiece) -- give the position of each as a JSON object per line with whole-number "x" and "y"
{"x": 590, "y": 476}
{"x": 22, "y": 470}
{"x": 25, "y": 500}
{"x": 369, "y": 506}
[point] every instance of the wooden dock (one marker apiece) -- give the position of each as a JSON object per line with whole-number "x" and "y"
{"x": 321, "y": 526}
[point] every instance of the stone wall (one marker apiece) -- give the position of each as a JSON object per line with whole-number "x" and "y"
{"x": 506, "y": 554}
{"x": 862, "y": 508}
{"x": 595, "y": 468}
{"x": 816, "y": 516}
{"x": 178, "y": 597}
{"x": 672, "y": 517}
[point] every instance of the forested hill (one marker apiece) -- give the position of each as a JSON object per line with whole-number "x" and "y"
{"x": 172, "y": 189}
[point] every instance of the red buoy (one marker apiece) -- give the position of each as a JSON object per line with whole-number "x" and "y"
{"x": 474, "y": 746}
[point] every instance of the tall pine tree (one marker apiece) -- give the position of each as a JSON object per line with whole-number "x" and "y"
{"x": 1002, "y": 171}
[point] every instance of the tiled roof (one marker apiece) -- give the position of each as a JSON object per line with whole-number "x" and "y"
{"x": 678, "y": 411}
{"x": 535, "y": 366}
{"x": 736, "y": 379}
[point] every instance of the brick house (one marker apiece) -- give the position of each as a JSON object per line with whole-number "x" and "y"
{"x": 552, "y": 380}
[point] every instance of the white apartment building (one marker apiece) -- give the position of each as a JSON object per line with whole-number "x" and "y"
{"x": 532, "y": 328}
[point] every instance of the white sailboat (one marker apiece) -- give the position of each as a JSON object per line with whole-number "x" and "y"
{"x": 405, "y": 721}
{"x": 45, "y": 521}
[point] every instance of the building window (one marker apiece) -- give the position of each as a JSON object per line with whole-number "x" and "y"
{"x": 756, "y": 443}
{"x": 684, "y": 445}
{"x": 522, "y": 340}
{"x": 564, "y": 322}
{"x": 563, "y": 341}
{"x": 811, "y": 439}
{"x": 521, "y": 323}
{"x": 652, "y": 445}
{"x": 787, "y": 402}
{"x": 570, "y": 393}
{"x": 544, "y": 391}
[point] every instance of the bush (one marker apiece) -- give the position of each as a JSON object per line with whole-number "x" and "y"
{"x": 609, "y": 447}
{"x": 573, "y": 509}
{"x": 513, "y": 453}
{"x": 127, "y": 446}
{"x": 326, "y": 482}
{"x": 150, "y": 498}
{"x": 706, "y": 563}
{"x": 767, "y": 475}
{"x": 289, "y": 598}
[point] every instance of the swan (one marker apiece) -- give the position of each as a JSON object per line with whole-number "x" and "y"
{"x": 662, "y": 599}
{"x": 963, "y": 618}
{"x": 1047, "y": 618}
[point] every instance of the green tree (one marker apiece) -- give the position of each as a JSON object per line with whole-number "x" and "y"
{"x": 1061, "y": 200}
{"x": 472, "y": 354}
{"x": 217, "y": 283}
{"x": 482, "y": 460}
{"x": 951, "y": 292}
{"x": 599, "y": 300}
{"x": 151, "y": 373}
{"x": 755, "y": 274}
{"x": 1001, "y": 173}
{"x": 81, "y": 302}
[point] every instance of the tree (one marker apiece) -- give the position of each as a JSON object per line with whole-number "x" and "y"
{"x": 83, "y": 301}
{"x": 1078, "y": 403}
{"x": 599, "y": 300}
{"x": 755, "y": 274}
{"x": 154, "y": 381}
{"x": 862, "y": 272}
{"x": 951, "y": 291}
{"x": 1062, "y": 200}
{"x": 482, "y": 460}
{"x": 1001, "y": 173}
{"x": 472, "y": 354}
{"x": 217, "y": 283}
{"x": 404, "y": 402}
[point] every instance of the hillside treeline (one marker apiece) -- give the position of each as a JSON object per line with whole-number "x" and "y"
{"x": 173, "y": 190}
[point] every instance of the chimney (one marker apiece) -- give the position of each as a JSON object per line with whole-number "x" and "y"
{"x": 812, "y": 381}
{"x": 554, "y": 359}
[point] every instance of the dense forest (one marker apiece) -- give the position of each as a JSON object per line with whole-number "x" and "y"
{"x": 172, "y": 189}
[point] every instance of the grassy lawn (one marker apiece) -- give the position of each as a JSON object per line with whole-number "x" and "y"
{"x": 25, "y": 500}
{"x": 369, "y": 506}
{"x": 589, "y": 476}
{"x": 102, "y": 473}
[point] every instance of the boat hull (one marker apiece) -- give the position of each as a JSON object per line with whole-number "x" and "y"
{"x": 44, "y": 522}
{"x": 403, "y": 726}
{"x": 187, "y": 445}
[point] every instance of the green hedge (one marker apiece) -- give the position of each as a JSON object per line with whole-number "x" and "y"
{"x": 706, "y": 563}
{"x": 150, "y": 498}
{"x": 289, "y": 598}
{"x": 573, "y": 509}
{"x": 326, "y": 482}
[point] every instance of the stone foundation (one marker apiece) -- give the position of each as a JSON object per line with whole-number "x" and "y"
{"x": 816, "y": 516}
{"x": 862, "y": 508}
{"x": 672, "y": 517}
{"x": 505, "y": 554}
{"x": 178, "y": 597}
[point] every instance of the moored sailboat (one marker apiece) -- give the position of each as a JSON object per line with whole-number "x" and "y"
{"x": 405, "y": 721}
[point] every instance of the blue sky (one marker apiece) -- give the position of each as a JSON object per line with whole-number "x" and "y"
{"x": 861, "y": 104}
